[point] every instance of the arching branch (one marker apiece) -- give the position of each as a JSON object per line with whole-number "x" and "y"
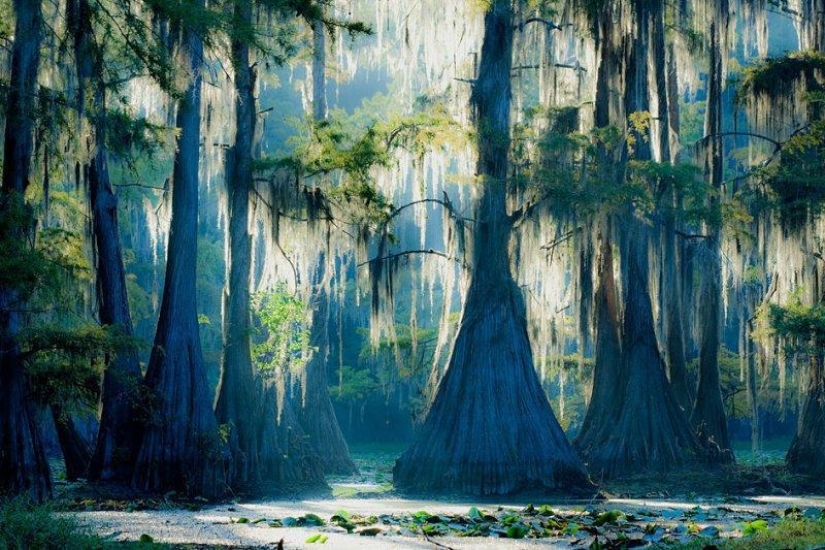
{"x": 705, "y": 139}
{"x": 397, "y": 255}
{"x": 546, "y": 22}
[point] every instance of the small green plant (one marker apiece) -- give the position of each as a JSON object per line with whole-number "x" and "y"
{"x": 24, "y": 525}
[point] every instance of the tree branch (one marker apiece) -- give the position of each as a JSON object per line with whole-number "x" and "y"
{"x": 547, "y": 23}
{"x": 410, "y": 253}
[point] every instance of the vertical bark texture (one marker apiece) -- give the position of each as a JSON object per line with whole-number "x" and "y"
{"x": 77, "y": 453}
{"x": 708, "y": 416}
{"x": 641, "y": 427}
{"x": 237, "y": 398}
{"x": 316, "y": 415}
{"x": 23, "y": 466}
{"x": 490, "y": 430}
{"x": 181, "y": 449}
{"x": 118, "y": 437}
{"x": 608, "y": 353}
{"x": 808, "y": 445}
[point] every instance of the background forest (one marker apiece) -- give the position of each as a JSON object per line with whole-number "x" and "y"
{"x": 538, "y": 244}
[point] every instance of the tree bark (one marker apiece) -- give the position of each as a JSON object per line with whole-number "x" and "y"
{"x": 607, "y": 370}
{"x": 490, "y": 430}
{"x": 316, "y": 414}
{"x": 287, "y": 455}
{"x": 77, "y": 453}
{"x": 236, "y": 402}
{"x": 119, "y": 432}
{"x": 808, "y": 445}
{"x": 181, "y": 449}
{"x": 23, "y": 466}
{"x": 642, "y": 427}
{"x": 708, "y": 418}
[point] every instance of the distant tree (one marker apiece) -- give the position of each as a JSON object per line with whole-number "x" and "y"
{"x": 708, "y": 416}
{"x": 315, "y": 413}
{"x": 634, "y": 422}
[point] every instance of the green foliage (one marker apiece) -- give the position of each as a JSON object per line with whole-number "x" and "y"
{"x": 65, "y": 364}
{"x": 129, "y": 137}
{"x": 338, "y": 156}
{"x": 24, "y": 525}
{"x": 796, "y": 184}
{"x": 49, "y": 268}
{"x": 6, "y": 21}
{"x": 776, "y": 77}
{"x": 801, "y": 325}
{"x": 285, "y": 330}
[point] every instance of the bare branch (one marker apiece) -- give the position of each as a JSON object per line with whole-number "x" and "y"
{"x": 396, "y": 255}
{"x": 547, "y": 23}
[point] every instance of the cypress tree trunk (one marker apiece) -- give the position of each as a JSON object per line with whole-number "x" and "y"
{"x": 642, "y": 428}
{"x": 670, "y": 259}
{"x": 237, "y": 396}
{"x": 708, "y": 418}
{"x": 650, "y": 432}
{"x": 77, "y": 453}
{"x": 808, "y": 445}
{"x": 23, "y": 466}
{"x": 316, "y": 414}
{"x": 490, "y": 430}
{"x": 603, "y": 404}
{"x": 673, "y": 310}
{"x": 286, "y": 455}
{"x": 119, "y": 432}
{"x": 181, "y": 449}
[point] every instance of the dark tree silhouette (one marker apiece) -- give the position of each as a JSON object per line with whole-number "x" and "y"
{"x": 181, "y": 449}
{"x": 119, "y": 432}
{"x": 23, "y": 466}
{"x": 490, "y": 429}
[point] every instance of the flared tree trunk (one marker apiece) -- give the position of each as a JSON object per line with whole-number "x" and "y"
{"x": 23, "y": 466}
{"x": 119, "y": 433}
{"x": 603, "y": 405}
{"x": 808, "y": 445}
{"x": 118, "y": 436}
{"x": 674, "y": 333}
{"x": 77, "y": 453}
{"x": 708, "y": 417}
{"x": 673, "y": 312}
{"x": 651, "y": 431}
{"x": 181, "y": 449}
{"x": 490, "y": 430}
{"x": 237, "y": 397}
{"x": 316, "y": 415}
{"x": 643, "y": 428}
{"x": 288, "y": 457}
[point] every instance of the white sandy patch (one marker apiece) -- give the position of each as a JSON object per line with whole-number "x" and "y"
{"x": 215, "y": 525}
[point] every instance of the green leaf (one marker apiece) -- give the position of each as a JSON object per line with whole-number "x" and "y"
{"x": 754, "y": 527}
{"x": 517, "y": 531}
{"x": 144, "y": 538}
{"x": 612, "y": 517}
{"x": 313, "y": 538}
{"x": 474, "y": 514}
